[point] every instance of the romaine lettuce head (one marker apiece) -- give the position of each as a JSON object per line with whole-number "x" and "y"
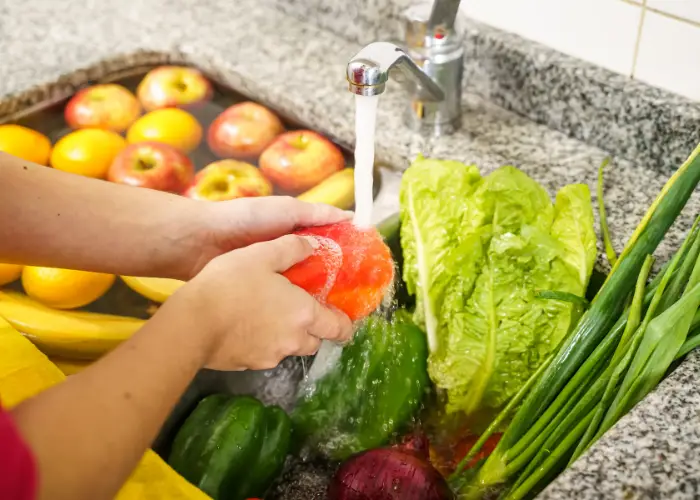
{"x": 476, "y": 252}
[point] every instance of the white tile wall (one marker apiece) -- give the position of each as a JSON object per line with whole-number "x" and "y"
{"x": 669, "y": 55}
{"x": 657, "y": 41}
{"x": 686, "y": 9}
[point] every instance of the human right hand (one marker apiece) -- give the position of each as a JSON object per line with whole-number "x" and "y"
{"x": 252, "y": 316}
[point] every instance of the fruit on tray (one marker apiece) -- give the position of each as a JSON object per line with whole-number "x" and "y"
{"x": 88, "y": 152}
{"x": 228, "y": 179}
{"x": 70, "y": 334}
{"x": 171, "y": 126}
{"x": 298, "y": 160}
{"x": 25, "y": 372}
{"x": 232, "y": 447}
{"x": 9, "y": 273}
{"x": 337, "y": 190}
{"x": 369, "y": 394}
{"x": 152, "y": 165}
{"x": 243, "y": 131}
{"x": 155, "y": 289}
{"x": 351, "y": 269}
{"x": 65, "y": 288}
{"x": 173, "y": 86}
{"x": 107, "y": 106}
{"x": 25, "y": 143}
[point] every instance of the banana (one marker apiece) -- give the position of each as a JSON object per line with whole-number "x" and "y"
{"x": 155, "y": 289}
{"x": 70, "y": 366}
{"x": 71, "y": 334}
{"x": 337, "y": 190}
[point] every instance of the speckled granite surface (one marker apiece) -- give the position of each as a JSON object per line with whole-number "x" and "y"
{"x": 298, "y": 67}
{"x": 589, "y": 103}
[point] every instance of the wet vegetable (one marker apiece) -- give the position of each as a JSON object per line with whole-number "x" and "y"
{"x": 232, "y": 447}
{"x": 401, "y": 472}
{"x": 612, "y": 359}
{"x": 373, "y": 390}
{"x": 477, "y": 251}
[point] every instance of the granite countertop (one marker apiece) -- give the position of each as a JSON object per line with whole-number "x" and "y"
{"x": 523, "y": 105}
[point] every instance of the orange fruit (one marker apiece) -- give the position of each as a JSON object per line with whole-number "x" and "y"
{"x": 351, "y": 269}
{"x": 171, "y": 126}
{"x": 87, "y": 152}
{"x": 25, "y": 143}
{"x": 65, "y": 288}
{"x": 9, "y": 273}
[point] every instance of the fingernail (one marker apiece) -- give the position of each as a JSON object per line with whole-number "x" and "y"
{"x": 312, "y": 241}
{"x": 349, "y": 213}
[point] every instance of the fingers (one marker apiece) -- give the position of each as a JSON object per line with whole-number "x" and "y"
{"x": 309, "y": 345}
{"x": 329, "y": 324}
{"x": 306, "y": 214}
{"x": 281, "y": 254}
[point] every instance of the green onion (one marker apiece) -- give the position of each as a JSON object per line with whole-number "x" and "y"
{"x": 609, "y": 250}
{"x": 582, "y": 364}
{"x": 563, "y": 297}
{"x": 632, "y": 324}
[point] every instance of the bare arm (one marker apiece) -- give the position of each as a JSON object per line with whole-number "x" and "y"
{"x": 88, "y": 433}
{"x": 51, "y": 218}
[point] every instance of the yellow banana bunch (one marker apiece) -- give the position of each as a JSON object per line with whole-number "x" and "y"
{"x": 71, "y": 334}
{"x": 70, "y": 366}
{"x": 24, "y": 372}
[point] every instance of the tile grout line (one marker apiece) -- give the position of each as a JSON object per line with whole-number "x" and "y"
{"x": 675, "y": 17}
{"x": 638, "y": 42}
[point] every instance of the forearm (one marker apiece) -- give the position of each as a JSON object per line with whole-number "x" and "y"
{"x": 89, "y": 432}
{"x": 51, "y": 218}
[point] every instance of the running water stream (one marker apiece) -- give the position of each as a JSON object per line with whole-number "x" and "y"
{"x": 365, "y": 126}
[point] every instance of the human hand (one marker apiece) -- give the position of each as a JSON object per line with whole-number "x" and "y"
{"x": 251, "y": 315}
{"x": 229, "y": 225}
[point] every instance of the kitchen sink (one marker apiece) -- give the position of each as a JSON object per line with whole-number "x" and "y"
{"x": 276, "y": 386}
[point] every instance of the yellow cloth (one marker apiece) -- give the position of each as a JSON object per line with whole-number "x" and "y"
{"x": 26, "y": 371}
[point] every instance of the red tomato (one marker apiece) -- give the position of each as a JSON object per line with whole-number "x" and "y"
{"x": 351, "y": 269}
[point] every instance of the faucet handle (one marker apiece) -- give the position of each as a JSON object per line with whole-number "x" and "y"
{"x": 428, "y": 24}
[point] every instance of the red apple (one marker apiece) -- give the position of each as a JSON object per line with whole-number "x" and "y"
{"x": 153, "y": 165}
{"x": 298, "y": 160}
{"x": 243, "y": 131}
{"x": 228, "y": 179}
{"x": 107, "y": 106}
{"x": 173, "y": 86}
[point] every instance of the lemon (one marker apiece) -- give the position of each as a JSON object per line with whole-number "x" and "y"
{"x": 171, "y": 126}
{"x": 9, "y": 273}
{"x": 25, "y": 143}
{"x": 88, "y": 152}
{"x": 65, "y": 288}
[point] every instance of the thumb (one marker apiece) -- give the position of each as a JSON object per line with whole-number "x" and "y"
{"x": 282, "y": 253}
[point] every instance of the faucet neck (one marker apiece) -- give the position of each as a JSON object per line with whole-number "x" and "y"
{"x": 443, "y": 16}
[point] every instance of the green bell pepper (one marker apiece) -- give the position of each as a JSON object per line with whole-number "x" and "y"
{"x": 232, "y": 447}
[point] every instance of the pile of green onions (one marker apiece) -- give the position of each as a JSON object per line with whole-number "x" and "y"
{"x": 618, "y": 352}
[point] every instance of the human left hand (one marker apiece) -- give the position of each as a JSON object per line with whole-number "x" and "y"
{"x": 229, "y": 225}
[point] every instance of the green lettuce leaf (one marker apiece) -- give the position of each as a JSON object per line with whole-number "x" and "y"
{"x": 477, "y": 250}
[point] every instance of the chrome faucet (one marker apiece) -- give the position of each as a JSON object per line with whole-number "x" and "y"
{"x": 430, "y": 64}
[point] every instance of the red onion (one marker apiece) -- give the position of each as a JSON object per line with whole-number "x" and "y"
{"x": 401, "y": 472}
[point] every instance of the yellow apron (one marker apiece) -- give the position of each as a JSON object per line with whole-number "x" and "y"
{"x": 26, "y": 371}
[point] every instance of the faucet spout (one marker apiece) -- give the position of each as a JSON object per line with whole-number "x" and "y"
{"x": 368, "y": 72}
